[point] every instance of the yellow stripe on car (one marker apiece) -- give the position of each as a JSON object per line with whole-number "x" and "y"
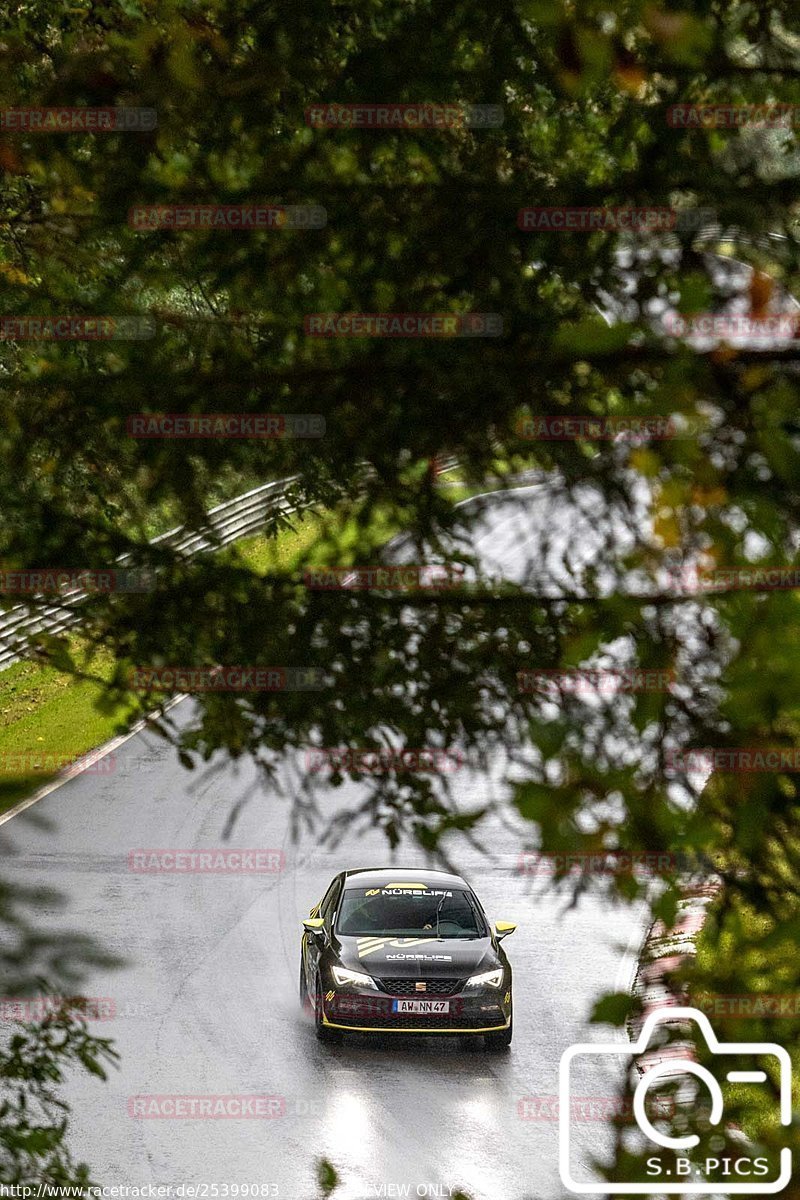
{"x": 400, "y": 943}
{"x": 401, "y": 1029}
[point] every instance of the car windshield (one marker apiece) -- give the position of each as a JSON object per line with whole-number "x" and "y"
{"x": 409, "y": 911}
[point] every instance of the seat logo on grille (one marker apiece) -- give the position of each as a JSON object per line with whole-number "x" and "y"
{"x": 421, "y": 987}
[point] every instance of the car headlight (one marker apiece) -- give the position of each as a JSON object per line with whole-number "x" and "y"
{"x": 487, "y": 979}
{"x": 342, "y": 976}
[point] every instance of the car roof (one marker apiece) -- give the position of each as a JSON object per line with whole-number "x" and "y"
{"x": 386, "y": 876}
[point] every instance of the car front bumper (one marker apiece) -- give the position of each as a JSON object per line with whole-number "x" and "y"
{"x": 487, "y": 1010}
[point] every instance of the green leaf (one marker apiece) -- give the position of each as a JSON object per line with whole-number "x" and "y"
{"x": 614, "y": 1008}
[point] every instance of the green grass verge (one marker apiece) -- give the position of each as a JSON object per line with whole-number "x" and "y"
{"x": 48, "y": 718}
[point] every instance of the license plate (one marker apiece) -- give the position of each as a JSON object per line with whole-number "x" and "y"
{"x": 420, "y": 1006}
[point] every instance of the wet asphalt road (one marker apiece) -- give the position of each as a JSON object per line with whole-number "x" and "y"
{"x": 206, "y": 1001}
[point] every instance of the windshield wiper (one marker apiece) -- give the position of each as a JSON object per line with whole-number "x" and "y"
{"x": 438, "y": 910}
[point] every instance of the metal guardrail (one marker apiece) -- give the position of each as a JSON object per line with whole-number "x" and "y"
{"x": 227, "y": 523}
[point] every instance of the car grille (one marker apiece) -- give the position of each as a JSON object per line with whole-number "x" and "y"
{"x": 408, "y": 987}
{"x": 417, "y": 1022}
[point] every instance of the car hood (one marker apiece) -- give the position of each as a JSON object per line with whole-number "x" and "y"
{"x": 403, "y": 958}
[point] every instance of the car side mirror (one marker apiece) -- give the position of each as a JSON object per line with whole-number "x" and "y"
{"x": 314, "y": 927}
{"x": 502, "y": 929}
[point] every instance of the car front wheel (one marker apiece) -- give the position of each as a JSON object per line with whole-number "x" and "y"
{"x": 303, "y": 987}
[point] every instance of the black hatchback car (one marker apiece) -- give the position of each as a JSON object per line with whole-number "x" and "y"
{"x": 405, "y": 951}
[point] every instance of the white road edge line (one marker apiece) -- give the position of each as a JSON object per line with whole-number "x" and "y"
{"x": 524, "y": 487}
{"x": 86, "y": 760}
{"x": 626, "y": 971}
